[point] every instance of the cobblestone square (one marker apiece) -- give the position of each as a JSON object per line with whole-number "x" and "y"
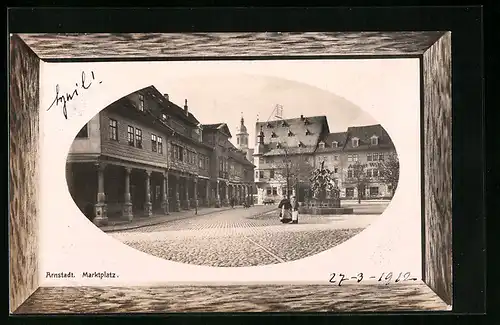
{"x": 243, "y": 237}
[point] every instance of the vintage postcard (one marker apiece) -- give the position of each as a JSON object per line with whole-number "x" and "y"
{"x": 234, "y": 184}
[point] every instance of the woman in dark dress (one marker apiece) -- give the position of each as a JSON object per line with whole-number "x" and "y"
{"x": 286, "y": 210}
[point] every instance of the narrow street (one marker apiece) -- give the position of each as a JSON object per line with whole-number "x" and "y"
{"x": 243, "y": 237}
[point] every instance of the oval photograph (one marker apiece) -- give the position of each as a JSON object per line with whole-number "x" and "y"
{"x": 230, "y": 176}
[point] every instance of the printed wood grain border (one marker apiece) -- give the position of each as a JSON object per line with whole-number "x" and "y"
{"x": 434, "y": 52}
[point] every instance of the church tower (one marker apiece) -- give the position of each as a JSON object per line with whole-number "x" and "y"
{"x": 242, "y": 136}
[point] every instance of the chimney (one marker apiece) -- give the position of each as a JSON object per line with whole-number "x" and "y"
{"x": 301, "y": 116}
{"x": 186, "y": 107}
{"x": 166, "y": 97}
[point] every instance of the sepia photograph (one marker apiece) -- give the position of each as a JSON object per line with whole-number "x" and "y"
{"x": 149, "y": 173}
{"x": 242, "y": 184}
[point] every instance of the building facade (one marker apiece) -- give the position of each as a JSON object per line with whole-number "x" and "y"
{"x": 288, "y": 150}
{"x": 145, "y": 155}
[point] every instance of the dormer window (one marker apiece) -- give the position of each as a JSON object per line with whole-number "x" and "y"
{"x": 284, "y": 124}
{"x": 355, "y": 142}
{"x": 290, "y": 133}
{"x": 278, "y": 145}
{"x": 273, "y": 135}
{"x": 301, "y": 144}
{"x": 374, "y": 140}
{"x": 306, "y": 121}
{"x": 335, "y": 144}
{"x": 308, "y": 132}
{"x": 141, "y": 102}
{"x": 322, "y": 145}
{"x": 269, "y": 125}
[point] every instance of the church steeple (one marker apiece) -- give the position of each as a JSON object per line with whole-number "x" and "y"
{"x": 242, "y": 135}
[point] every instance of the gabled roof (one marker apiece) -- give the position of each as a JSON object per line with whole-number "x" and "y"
{"x": 306, "y": 130}
{"x": 340, "y": 137}
{"x": 237, "y": 154}
{"x": 169, "y": 107}
{"x": 221, "y": 127}
{"x": 364, "y": 134}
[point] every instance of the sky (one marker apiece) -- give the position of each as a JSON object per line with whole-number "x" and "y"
{"x": 214, "y": 99}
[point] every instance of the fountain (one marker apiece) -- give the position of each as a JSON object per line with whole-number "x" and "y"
{"x": 326, "y": 195}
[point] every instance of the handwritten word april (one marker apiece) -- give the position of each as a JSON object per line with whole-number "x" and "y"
{"x": 62, "y": 100}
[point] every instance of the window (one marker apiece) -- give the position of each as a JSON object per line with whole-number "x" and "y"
{"x": 335, "y": 157}
{"x": 308, "y": 132}
{"x": 269, "y": 125}
{"x": 84, "y": 132}
{"x": 373, "y": 191}
{"x": 113, "y": 129}
{"x": 160, "y": 145}
{"x": 349, "y": 157}
{"x": 335, "y": 144}
{"x": 237, "y": 140}
{"x": 368, "y": 173}
{"x": 271, "y": 173}
{"x": 322, "y": 145}
{"x": 290, "y": 133}
{"x": 130, "y": 136}
{"x": 256, "y": 174}
{"x": 261, "y": 174}
{"x": 269, "y": 191}
{"x": 141, "y": 102}
{"x": 261, "y": 160}
{"x": 368, "y": 157}
{"x": 283, "y": 190}
{"x": 375, "y": 156}
{"x": 181, "y": 154}
{"x": 355, "y": 157}
{"x": 138, "y": 138}
{"x": 380, "y": 156}
{"x": 193, "y": 158}
{"x": 284, "y": 124}
{"x": 374, "y": 141}
{"x": 157, "y": 192}
{"x": 275, "y": 191}
{"x": 335, "y": 170}
{"x": 200, "y": 162}
{"x": 355, "y": 142}
{"x": 349, "y": 192}
{"x": 153, "y": 143}
{"x": 273, "y": 135}
{"x": 301, "y": 145}
{"x": 349, "y": 173}
{"x": 306, "y": 121}
{"x": 207, "y": 163}
{"x": 376, "y": 173}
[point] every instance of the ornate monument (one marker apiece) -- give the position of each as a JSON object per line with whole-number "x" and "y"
{"x": 325, "y": 194}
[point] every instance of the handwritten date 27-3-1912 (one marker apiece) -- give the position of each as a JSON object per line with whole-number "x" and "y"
{"x": 386, "y": 278}
{"x": 67, "y": 97}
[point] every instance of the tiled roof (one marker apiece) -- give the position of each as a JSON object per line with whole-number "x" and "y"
{"x": 340, "y": 137}
{"x": 364, "y": 134}
{"x": 290, "y": 151}
{"x": 291, "y": 132}
{"x": 218, "y": 126}
{"x": 168, "y": 106}
{"x": 236, "y": 154}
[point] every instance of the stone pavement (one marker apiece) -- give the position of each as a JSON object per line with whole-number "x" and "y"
{"x": 120, "y": 225}
{"x": 243, "y": 237}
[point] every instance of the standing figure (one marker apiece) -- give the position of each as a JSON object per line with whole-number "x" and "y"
{"x": 286, "y": 210}
{"x": 295, "y": 209}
